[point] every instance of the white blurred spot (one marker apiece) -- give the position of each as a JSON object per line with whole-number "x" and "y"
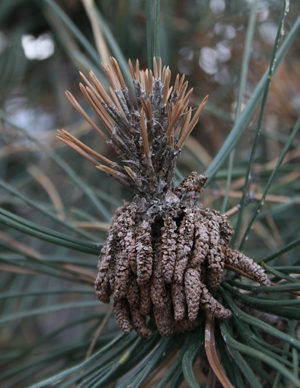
{"x": 295, "y": 102}
{"x": 268, "y": 32}
{"x": 38, "y": 48}
{"x": 263, "y": 15}
{"x": 223, "y": 50}
{"x": 33, "y": 119}
{"x": 263, "y": 11}
{"x": 234, "y": 106}
{"x": 225, "y": 30}
{"x": 222, "y": 76}
{"x": 217, "y": 6}
{"x": 186, "y": 54}
{"x": 208, "y": 60}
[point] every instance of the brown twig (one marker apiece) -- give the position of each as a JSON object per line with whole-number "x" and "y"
{"x": 10, "y": 268}
{"x": 82, "y": 273}
{"x": 211, "y": 352}
{"x": 98, "y": 332}
{"x": 92, "y": 225}
{"x": 211, "y": 379}
{"x": 49, "y": 187}
{"x": 20, "y": 246}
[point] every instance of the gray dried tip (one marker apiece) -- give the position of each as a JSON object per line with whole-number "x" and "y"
{"x": 164, "y": 256}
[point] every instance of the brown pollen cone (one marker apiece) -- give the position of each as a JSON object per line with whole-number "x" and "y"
{"x": 164, "y": 255}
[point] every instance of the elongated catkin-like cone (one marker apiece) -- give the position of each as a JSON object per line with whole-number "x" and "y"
{"x": 164, "y": 255}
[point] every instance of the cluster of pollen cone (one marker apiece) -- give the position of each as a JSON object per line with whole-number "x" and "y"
{"x": 164, "y": 255}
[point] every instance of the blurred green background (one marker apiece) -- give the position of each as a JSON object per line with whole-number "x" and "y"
{"x": 43, "y": 45}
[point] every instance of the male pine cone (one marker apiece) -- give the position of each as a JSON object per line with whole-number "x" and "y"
{"x": 164, "y": 255}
